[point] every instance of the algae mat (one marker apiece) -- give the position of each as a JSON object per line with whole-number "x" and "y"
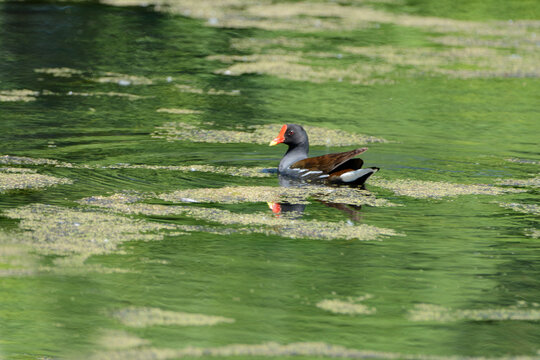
{"x": 142, "y": 217}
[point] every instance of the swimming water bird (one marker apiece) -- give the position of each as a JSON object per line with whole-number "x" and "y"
{"x": 332, "y": 169}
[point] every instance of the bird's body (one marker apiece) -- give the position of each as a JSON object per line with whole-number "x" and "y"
{"x": 332, "y": 169}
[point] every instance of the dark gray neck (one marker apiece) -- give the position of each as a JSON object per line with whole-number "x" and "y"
{"x": 294, "y": 154}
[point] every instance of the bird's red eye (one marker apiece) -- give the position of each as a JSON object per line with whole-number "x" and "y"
{"x": 291, "y": 132}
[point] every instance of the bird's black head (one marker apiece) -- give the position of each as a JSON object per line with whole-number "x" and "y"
{"x": 292, "y": 135}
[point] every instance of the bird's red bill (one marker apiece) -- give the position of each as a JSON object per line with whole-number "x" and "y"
{"x": 275, "y": 207}
{"x": 280, "y": 138}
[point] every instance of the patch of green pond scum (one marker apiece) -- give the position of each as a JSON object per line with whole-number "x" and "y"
{"x": 18, "y": 95}
{"x": 428, "y": 312}
{"x": 534, "y": 182}
{"x": 99, "y": 76}
{"x": 23, "y": 160}
{"x": 178, "y": 111}
{"x": 523, "y": 208}
{"x": 242, "y": 194}
{"x": 117, "y": 339}
{"x": 459, "y": 49}
{"x": 350, "y": 306}
{"x": 76, "y": 232}
{"x": 194, "y": 90}
{"x": 19, "y": 178}
{"x": 306, "y": 350}
{"x": 144, "y": 317}
{"x": 261, "y": 134}
{"x": 523, "y": 161}
{"x": 263, "y": 223}
{"x": 433, "y": 189}
{"x": 228, "y": 170}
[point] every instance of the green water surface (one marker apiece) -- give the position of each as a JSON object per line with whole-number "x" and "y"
{"x": 472, "y": 263}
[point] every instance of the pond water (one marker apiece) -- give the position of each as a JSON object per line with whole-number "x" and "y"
{"x": 142, "y": 216}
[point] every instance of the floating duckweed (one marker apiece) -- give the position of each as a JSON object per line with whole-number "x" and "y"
{"x": 260, "y": 134}
{"x": 28, "y": 180}
{"x": 229, "y": 170}
{"x": 523, "y": 161}
{"x": 17, "y": 170}
{"x": 263, "y": 223}
{"x": 59, "y": 72}
{"x": 481, "y": 62}
{"x": 295, "y": 67}
{"x": 64, "y": 231}
{"x": 523, "y": 208}
{"x": 276, "y": 350}
{"x": 178, "y": 111}
{"x": 122, "y": 79}
{"x": 428, "y": 312}
{"x": 524, "y": 43}
{"x": 350, "y": 306}
{"x": 240, "y": 194}
{"x": 432, "y": 189}
{"x": 145, "y": 317}
{"x": 108, "y": 94}
{"x": 535, "y": 182}
{"x": 116, "y": 339}
{"x": 22, "y": 160}
{"x": 18, "y": 95}
{"x": 189, "y": 89}
{"x": 212, "y": 91}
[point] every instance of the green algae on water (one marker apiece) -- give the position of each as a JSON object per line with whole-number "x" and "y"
{"x": 119, "y": 340}
{"x": 478, "y": 62}
{"x": 145, "y": 316}
{"x": 534, "y": 182}
{"x": 523, "y": 161}
{"x": 261, "y": 134}
{"x": 534, "y": 233}
{"x": 432, "y": 189}
{"x": 23, "y": 95}
{"x": 121, "y": 95}
{"x": 59, "y": 72}
{"x": 27, "y": 179}
{"x": 350, "y": 306}
{"x": 275, "y": 350}
{"x": 228, "y": 170}
{"x": 523, "y": 208}
{"x": 263, "y": 223}
{"x": 23, "y": 160}
{"x": 123, "y": 79}
{"x": 58, "y": 230}
{"x": 296, "y": 195}
{"x": 428, "y": 312}
{"x": 194, "y": 90}
{"x": 177, "y": 111}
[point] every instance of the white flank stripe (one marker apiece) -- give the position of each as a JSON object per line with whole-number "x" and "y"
{"x": 353, "y": 175}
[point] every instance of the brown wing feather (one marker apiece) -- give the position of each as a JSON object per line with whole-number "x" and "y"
{"x": 326, "y": 163}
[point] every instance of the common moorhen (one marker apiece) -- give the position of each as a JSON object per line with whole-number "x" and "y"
{"x": 332, "y": 169}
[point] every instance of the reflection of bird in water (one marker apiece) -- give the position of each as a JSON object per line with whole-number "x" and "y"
{"x": 296, "y": 210}
{"x": 281, "y": 208}
{"x": 332, "y": 169}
